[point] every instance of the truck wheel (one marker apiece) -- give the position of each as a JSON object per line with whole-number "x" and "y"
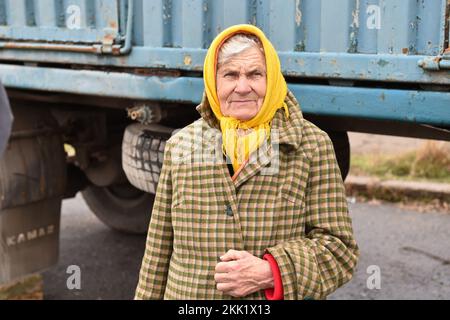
{"x": 342, "y": 149}
{"x": 127, "y": 207}
{"x": 143, "y": 154}
{"x": 121, "y": 207}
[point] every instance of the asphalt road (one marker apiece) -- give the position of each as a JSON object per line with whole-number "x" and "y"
{"x": 409, "y": 249}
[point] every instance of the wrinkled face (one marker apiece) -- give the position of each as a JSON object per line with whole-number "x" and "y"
{"x": 241, "y": 84}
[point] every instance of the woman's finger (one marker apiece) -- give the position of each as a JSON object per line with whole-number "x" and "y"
{"x": 225, "y": 287}
{"x": 222, "y": 277}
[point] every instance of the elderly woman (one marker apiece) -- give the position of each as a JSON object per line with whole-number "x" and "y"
{"x": 243, "y": 231}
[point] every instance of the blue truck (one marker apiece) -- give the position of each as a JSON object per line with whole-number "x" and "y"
{"x": 79, "y": 72}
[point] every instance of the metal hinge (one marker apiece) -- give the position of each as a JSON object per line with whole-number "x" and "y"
{"x": 437, "y": 63}
{"x": 108, "y": 47}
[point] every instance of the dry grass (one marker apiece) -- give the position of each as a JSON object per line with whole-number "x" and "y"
{"x": 431, "y": 162}
{"x": 27, "y": 288}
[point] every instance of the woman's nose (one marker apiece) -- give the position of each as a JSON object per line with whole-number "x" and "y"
{"x": 243, "y": 85}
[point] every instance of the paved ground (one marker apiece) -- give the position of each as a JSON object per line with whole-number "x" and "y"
{"x": 109, "y": 260}
{"x": 410, "y": 248}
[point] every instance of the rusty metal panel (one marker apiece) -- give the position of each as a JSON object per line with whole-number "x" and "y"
{"x": 377, "y": 40}
{"x": 359, "y": 26}
{"x": 72, "y": 21}
{"x": 341, "y": 26}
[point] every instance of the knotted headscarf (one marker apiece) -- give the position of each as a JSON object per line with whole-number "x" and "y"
{"x": 236, "y": 146}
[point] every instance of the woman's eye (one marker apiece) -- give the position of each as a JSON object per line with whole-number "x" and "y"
{"x": 256, "y": 75}
{"x": 229, "y": 75}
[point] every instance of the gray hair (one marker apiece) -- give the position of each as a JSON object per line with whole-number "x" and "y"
{"x": 237, "y": 44}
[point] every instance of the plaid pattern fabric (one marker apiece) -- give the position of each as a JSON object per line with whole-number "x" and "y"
{"x": 299, "y": 214}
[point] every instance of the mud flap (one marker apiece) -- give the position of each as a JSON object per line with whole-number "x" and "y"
{"x": 29, "y": 239}
{"x": 32, "y": 184}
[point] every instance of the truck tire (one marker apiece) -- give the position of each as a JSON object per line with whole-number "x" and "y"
{"x": 127, "y": 207}
{"x": 121, "y": 207}
{"x": 341, "y": 146}
{"x": 143, "y": 154}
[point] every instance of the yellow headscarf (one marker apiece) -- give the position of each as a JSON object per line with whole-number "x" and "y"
{"x": 237, "y": 147}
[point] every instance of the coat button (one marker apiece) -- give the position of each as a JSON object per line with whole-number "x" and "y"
{"x": 229, "y": 211}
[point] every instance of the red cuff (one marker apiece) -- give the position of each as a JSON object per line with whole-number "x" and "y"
{"x": 275, "y": 293}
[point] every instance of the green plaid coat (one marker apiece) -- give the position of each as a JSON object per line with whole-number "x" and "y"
{"x": 298, "y": 212}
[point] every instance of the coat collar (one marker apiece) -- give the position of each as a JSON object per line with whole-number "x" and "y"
{"x": 289, "y": 131}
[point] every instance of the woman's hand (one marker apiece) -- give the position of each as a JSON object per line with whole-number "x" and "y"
{"x": 240, "y": 273}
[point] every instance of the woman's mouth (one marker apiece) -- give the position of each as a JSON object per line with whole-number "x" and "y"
{"x": 242, "y": 101}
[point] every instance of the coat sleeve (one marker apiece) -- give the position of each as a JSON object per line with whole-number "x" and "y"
{"x": 314, "y": 266}
{"x": 158, "y": 250}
